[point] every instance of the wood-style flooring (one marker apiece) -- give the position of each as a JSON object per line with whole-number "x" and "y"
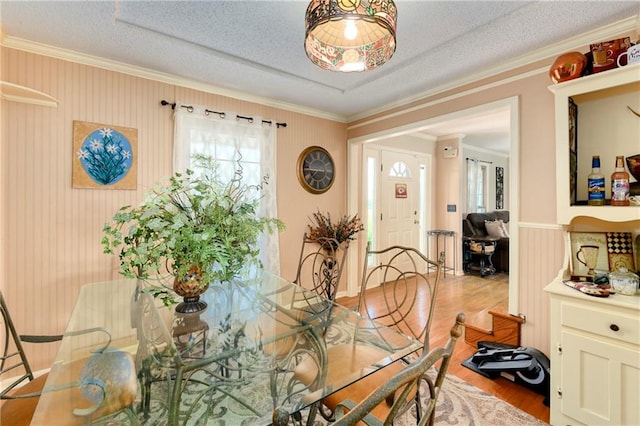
{"x": 475, "y": 296}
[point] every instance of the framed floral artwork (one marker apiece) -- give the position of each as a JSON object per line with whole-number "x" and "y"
{"x": 104, "y": 156}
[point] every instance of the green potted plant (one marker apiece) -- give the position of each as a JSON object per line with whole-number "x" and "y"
{"x": 197, "y": 228}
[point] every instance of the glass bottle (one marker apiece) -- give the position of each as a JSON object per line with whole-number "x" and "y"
{"x": 595, "y": 184}
{"x": 619, "y": 184}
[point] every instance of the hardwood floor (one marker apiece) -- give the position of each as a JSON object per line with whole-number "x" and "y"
{"x": 476, "y": 296}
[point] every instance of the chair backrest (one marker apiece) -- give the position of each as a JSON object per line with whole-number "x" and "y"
{"x": 13, "y": 358}
{"x": 403, "y": 280}
{"x": 320, "y": 265}
{"x": 404, "y": 384}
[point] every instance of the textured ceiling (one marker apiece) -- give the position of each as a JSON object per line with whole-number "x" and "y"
{"x": 257, "y": 47}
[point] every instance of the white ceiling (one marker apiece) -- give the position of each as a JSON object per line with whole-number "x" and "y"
{"x": 256, "y": 48}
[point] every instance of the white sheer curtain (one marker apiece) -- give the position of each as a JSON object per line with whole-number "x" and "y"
{"x": 228, "y": 138}
{"x": 473, "y": 177}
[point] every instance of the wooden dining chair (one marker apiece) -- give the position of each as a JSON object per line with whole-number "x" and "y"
{"x": 393, "y": 398}
{"x": 401, "y": 278}
{"x": 107, "y": 378}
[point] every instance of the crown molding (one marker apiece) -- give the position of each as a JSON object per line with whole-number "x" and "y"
{"x": 121, "y": 67}
{"x": 486, "y": 151}
{"x": 603, "y": 33}
{"x": 449, "y": 98}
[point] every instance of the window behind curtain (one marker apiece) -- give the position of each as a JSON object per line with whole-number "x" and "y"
{"x": 232, "y": 142}
{"x": 477, "y": 186}
{"x": 481, "y": 188}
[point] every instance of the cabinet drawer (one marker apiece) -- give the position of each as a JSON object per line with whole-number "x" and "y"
{"x": 615, "y": 325}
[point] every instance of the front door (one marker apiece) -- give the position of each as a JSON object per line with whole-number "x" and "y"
{"x": 396, "y": 207}
{"x": 399, "y": 200}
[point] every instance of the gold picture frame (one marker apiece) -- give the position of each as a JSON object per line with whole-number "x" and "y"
{"x": 104, "y": 156}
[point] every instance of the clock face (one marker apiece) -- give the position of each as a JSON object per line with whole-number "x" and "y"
{"x": 316, "y": 170}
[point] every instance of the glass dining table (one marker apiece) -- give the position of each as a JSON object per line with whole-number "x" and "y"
{"x": 236, "y": 362}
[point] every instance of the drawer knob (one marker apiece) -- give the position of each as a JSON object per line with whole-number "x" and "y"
{"x": 614, "y": 327}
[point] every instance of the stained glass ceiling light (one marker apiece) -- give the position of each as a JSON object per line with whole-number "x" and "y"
{"x": 350, "y": 35}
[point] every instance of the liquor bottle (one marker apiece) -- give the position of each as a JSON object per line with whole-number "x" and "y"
{"x": 619, "y": 184}
{"x": 595, "y": 184}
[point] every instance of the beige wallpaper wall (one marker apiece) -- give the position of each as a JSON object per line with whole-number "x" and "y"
{"x": 536, "y": 194}
{"x": 50, "y": 235}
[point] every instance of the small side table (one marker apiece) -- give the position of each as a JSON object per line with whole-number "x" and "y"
{"x": 438, "y": 233}
{"x": 477, "y": 254}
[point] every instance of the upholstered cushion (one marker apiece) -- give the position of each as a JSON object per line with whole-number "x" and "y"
{"x": 502, "y": 215}
{"x": 495, "y": 229}
{"x": 505, "y": 229}
{"x": 476, "y": 221}
{"x": 109, "y": 381}
{"x": 19, "y": 412}
{"x": 352, "y": 357}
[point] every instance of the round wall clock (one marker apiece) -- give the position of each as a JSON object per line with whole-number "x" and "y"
{"x": 316, "y": 170}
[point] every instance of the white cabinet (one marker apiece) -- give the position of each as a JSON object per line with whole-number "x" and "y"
{"x": 605, "y": 127}
{"x": 595, "y": 342}
{"x": 595, "y": 358}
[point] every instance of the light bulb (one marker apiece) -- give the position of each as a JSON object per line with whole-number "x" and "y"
{"x": 350, "y": 30}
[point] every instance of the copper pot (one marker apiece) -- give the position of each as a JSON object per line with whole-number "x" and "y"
{"x": 567, "y": 67}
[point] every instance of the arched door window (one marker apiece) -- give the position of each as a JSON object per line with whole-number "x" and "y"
{"x": 400, "y": 169}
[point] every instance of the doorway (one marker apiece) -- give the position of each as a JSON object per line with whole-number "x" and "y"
{"x": 396, "y": 194}
{"x": 355, "y": 171}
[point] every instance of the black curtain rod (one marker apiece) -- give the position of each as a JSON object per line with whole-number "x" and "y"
{"x": 480, "y": 161}
{"x": 221, "y": 114}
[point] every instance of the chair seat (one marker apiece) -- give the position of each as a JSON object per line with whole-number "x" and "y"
{"x": 79, "y": 403}
{"x": 404, "y": 383}
{"x": 115, "y": 372}
{"x": 352, "y": 358}
{"x": 19, "y": 412}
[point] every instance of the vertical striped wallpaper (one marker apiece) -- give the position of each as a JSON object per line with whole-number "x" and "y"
{"x": 50, "y": 235}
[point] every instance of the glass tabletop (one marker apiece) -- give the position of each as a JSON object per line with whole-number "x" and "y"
{"x": 101, "y": 320}
{"x": 236, "y": 361}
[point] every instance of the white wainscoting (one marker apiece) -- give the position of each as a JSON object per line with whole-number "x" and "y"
{"x": 541, "y": 256}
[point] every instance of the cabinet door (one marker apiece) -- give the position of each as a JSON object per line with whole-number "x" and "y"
{"x": 600, "y": 381}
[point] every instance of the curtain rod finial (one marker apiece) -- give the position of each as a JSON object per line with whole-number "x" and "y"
{"x": 165, "y": 103}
